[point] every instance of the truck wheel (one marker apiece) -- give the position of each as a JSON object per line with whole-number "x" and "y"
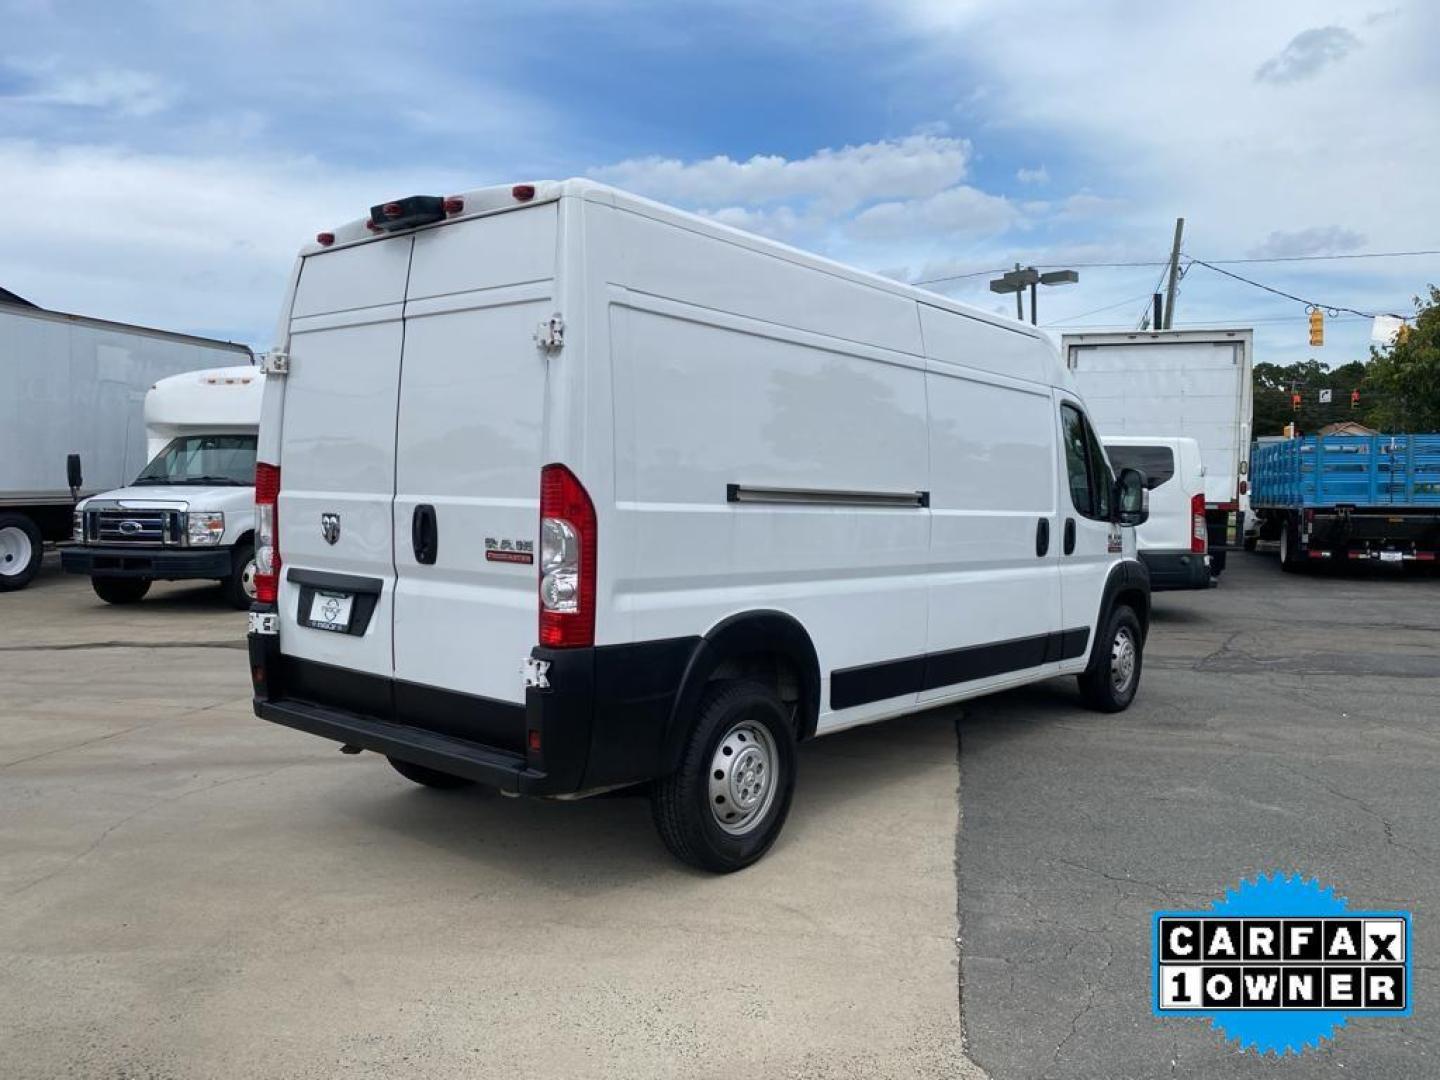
{"x": 725, "y": 805}
{"x": 1290, "y": 548}
{"x": 239, "y": 587}
{"x": 1109, "y": 684}
{"x": 1251, "y": 542}
{"x": 21, "y": 549}
{"x": 120, "y": 590}
{"x": 429, "y": 777}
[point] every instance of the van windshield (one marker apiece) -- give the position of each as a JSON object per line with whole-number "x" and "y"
{"x": 203, "y": 459}
{"x": 1156, "y": 462}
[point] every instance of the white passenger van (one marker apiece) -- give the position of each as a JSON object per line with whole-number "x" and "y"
{"x": 1174, "y": 542}
{"x": 560, "y": 490}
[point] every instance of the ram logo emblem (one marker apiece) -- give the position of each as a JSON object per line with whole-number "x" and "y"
{"x": 330, "y": 527}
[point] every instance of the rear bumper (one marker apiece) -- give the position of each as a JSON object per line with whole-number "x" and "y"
{"x": 601, "y": 722}
{"x": 174, "y": 565}
{"x": 1170, "y": 570}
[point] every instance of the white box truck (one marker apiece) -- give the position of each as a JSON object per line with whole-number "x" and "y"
{"x": 70, "y": 417}
{"x": 1193, "y": 383}
{"x": 190, "y": 513}
{"x": 561, "y": 490}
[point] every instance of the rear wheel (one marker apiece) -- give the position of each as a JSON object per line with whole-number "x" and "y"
{"x": 21, "y": 549}
{"x": 429, "y": 777}
{"x": 1110, "y": 682}
{"x": 1290, "y": 548}
{"x": 239, "y": 587}
{"x": 120, "y": 590}
{"x": 725, "y": 805}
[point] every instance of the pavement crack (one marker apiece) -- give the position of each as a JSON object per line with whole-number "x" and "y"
{"x": 72, "y": 646}
{"x": 75, "y": 746}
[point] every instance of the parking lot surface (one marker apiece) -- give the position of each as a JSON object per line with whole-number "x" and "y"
{"x": 191, "y": 892}
{"x": 1283, "y": 724}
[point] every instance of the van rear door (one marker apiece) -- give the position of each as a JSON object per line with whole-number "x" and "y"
{"x": 469, "y": 444}
{"x": 337, "y": 457}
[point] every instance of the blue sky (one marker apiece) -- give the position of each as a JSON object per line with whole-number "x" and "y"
{"x": 162, "y": 162}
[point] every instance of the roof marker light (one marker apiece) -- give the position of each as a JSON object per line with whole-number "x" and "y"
{"x": 370, "y": 224}
{"x": 454, "y": 205}
{"x": 523, "y": 192}
{"x": 325, "y": 239}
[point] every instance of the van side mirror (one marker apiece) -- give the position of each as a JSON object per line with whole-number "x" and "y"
{"x": 73, "y": 476}
{"x": 1132, "y": 498}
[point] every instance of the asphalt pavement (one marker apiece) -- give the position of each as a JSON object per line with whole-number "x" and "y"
{"x": 1284, "y": 723}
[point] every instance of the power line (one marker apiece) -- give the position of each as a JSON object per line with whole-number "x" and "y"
{"x": 1097, "y": 311}
{"x": 1212, "y": 263}
{"x": 1333, "y": 309}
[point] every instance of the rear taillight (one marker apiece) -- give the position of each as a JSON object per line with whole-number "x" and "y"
{"x": 567, "y": 560}
{"x": 267, "y": 534}
{"x": 1198, "y": 533}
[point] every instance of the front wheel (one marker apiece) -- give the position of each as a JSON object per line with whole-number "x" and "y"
{"x": 239, "y": 587}
{"x": 725, "y": 805}
{"x": 1109, "y": 684}
{"x": 120, "y": 590}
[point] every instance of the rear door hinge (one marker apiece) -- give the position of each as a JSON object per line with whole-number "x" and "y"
{"x": 550, "y": 334}
{"x": 275, "y": 362}
{"x": 537, "y": 673}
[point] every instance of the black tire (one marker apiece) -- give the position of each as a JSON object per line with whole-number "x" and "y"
{"x": 1290, "y": 548}
{"x": 242, "y": 570}
{"x": 738, "y": 722}
{"x": 1251, "y": 541}
{"x": 21, "y": 550}
{"x": 1102, "y": 686}
{"x": 429, "y": 777}
{"x": 120, "y": 590}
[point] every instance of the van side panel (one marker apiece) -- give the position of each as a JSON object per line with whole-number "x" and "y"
{"x": 707, "y": 396}
{"x": 992, "y": 465}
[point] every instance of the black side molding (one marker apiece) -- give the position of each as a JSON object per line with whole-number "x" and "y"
{"x": 933, "y": 671}
{"x": 748, "y": 493}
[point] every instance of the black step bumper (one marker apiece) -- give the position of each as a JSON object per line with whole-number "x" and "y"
{"x": 1170, "y": 570}
{"x": 157, "y": 563}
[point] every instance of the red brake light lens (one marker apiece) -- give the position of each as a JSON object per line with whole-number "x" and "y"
{"x": 568, "y": 534}
{"x": 1199, "y": 534}
{"x": 267, "y": 534}
{"x": 523, "y": 192}
{"x": 325, "y": 239}
{"x": 454, "y": 205}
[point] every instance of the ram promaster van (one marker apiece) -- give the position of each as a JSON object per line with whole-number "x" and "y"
{"x": 560, "y": 490}
{"x": 190, "y": 513}
{"x": 1174, "y": 543}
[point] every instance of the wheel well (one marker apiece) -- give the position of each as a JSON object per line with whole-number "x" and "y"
{"x": 248, "y": 534}
{"x": 1138, "y": 602}
{"x": 776, "y": 670}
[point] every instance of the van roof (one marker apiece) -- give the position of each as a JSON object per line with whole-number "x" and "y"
{"x": 503, "y": 197}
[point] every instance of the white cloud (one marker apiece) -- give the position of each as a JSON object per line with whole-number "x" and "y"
{"x": 1039, "y": 175}
{"x": 832, "y": 181}
{"x": 956, "y": 212}
{"x": 119, "y": 90}
{"x": 1317, "y": 240}
{"x": 1307, "y": 52}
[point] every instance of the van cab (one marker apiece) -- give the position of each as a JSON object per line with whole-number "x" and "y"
{"x": 1174, "y": 543}
{"x": 562, "y": 490}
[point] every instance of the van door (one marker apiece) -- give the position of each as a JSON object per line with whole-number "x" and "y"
{"x": 1090, "y": 543}
{"x": 469, "y": 444}
{"x": 337, "y": 457}
{"x": 994, "y": 547}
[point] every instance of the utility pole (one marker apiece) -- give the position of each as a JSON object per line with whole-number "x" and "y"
{"x": 1019, "y": 303}
{"x": 1174, "y": 276}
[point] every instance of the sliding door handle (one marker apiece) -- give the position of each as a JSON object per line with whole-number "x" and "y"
{"x": 1069, "y": 536}
{"x": 424, "y": 534}
{"x": 1042, "y": 537}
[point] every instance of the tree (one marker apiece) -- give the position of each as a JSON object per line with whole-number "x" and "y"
{"x": 1406, "y": 375}
{"x": 1275, "y": 383}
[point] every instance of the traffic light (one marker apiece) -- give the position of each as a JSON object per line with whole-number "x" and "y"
{"x": 1295, "y": 402}
{"x": 1354, "y": 399}
{"x": 1317, "y": 327}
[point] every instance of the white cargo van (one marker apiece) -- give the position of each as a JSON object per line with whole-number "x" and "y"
{"x": 190, "y": 513}
{"x": 1173, "y": 542}
{"x": 561, "y": 490}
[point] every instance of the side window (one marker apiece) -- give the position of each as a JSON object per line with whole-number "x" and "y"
{"x": 1102, "y": 480}
{"x": 1077, "y": 459}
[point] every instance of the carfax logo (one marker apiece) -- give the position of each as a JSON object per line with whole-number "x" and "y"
{"x": 1281, "y": 963}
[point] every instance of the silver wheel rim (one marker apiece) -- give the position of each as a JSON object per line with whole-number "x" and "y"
{"x": 742, "y": 777}
{"x": 247, "y": 578}
{"x": 1122, "y": 660}
{"x": 16, "y": 551}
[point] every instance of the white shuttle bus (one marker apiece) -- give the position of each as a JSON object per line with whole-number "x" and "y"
{"x": 561, "y": 490}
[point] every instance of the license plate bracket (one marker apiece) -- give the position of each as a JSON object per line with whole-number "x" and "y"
{"x": 329, "y": 610}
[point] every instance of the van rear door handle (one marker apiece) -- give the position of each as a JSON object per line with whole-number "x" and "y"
{"x": 1042, "y": 537}
{"x": 1069, "y": 536}
{"x": 424, "y": 534}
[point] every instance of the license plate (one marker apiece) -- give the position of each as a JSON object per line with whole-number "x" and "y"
{"x": 1392, "y": 556}
{"x": 330, "y": 611}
